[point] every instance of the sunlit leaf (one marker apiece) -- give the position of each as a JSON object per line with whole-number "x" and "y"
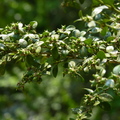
{"x": 89, "y": 90}
{"x": 105, "y": 97}
{"x": 116, "y": 70}
{"x": 33, "y": 24}
{"x": 96, "y": 103}
{"x": 98, "y": 10}
{"x": 110, "y": 83}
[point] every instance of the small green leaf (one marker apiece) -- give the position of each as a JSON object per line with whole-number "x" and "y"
{"x": 55, "y": 70}
{"x": 110, "y": 38}
{"x": 96, "y": 103}
{"x": 62, "y": 36}
{"x": 70, "y": 27}
{"x": 116, "y": 70}
{"x": 33, "y": 24}
{"x": 98, "y": 10}
{"x": 110, "y": 83}
{"x": 83, "y": 51}
{"x": 91, "y": 24}
{"x": 105, "y": 97}
{"x": 104, "y": 31}
{"x": 72, "y": 64}
{"x": 105, "y": 106}
{"x": 23, "y": 43}
{"x": 30, "y": 61}
{"x": 102, "y": 72}
{"x": 38, "y": 49}
{"x": 89, "y": 90}
{"x": 88, "y": 41}
{"x": 76, "y": 33}
{"x": 55, "y": 53}
{"x": 101, "y": 54}
{"x": 75, "y": 110}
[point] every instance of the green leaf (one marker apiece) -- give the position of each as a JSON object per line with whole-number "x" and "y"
{"x": 88, "y": 41}
{"x": 105, "y": 97}
{"x": 96, "y": 103}
{"x": 75, "y": 110}
{"x": 90, "y": 50}
{"x": 55, "y": 53}
{"x": 116, "y": 70}
{"x": 105, "y": 106}
{"x": 2, "y": 69}
{"x": 110, "y": 38}
{"x": 104, "y": 31}
{"x": 83, "y": 51}
{"x": 110, "y": 2}
{"x": 55, "y": 70}
{"x": 98, "y": 10}
{"x": 70, "y": 27}
{"x": 72, "y": 64}
{"x": 33, "y": 24}
{"x": 89, "y": 90}
{"x": 76, "y": 33}
{"x": 101, "y": 54}
{"x": 110, "y": 83}
{"x": 30, "y": 61}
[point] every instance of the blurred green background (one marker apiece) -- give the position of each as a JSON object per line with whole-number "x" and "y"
{"x": 48, "y": 13}
{"x": 54, "y": 97}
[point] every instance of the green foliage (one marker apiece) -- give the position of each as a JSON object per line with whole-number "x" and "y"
{"x": 88, "y": 50}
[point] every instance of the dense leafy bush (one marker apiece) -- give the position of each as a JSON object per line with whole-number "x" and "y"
{"x": 90, "y": 53}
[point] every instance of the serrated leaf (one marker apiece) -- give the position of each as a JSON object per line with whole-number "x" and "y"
{"x": 105, "y": 97}
{"x": 101, "y": 54}
{"x": 55, "y": 70}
